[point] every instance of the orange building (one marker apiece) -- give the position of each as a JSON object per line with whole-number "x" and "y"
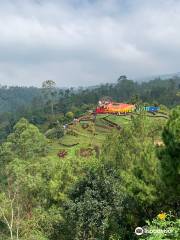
{"x": 114, "y": 108}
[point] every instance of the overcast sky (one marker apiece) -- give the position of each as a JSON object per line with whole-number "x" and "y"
{"x": 85, "y": 42}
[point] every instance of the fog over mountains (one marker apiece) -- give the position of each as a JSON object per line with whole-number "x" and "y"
{"x": 83, "y": 43}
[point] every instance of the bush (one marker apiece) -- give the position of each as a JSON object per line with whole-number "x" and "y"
{"x": 163, "y": 227}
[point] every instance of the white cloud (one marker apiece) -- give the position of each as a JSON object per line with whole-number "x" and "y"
{"x": 85, "y": 42}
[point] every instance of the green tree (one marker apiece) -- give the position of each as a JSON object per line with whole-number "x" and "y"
{"x": 56, "y": 132}
{"x": 94, "y": 206}
{"x": 10, "y": 211}
{"x": 22, "y": 183}
{"x": 170, "y": 158}
{"x": 69, "y": 115}
{"x": 131, "y": 156}
{"x": 49, "y": 92}
{"x": 26, "y": 141}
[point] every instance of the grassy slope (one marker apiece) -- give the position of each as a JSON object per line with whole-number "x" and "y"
{"x": 86, "y": 138}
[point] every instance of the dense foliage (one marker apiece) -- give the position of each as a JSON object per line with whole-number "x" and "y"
{"x": 157, "y": 90}
{"x": 49, "y": 103}
{"x": 106, "y": 188}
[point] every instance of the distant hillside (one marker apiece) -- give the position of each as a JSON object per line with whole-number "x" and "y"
{"x": 11, "y": 98}
{"x": 160, "y": 76}
{"x": 171, "y": 75}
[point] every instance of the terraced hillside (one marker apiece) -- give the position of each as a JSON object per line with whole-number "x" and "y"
{"x": 85, "y": 137}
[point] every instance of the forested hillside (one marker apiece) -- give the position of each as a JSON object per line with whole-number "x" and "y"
{"x": 157, "y": 90}
{"x": 11, "y": 98}
{"x": 67, "y": 173}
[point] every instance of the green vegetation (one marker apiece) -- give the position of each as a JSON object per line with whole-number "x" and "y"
{"x": 67, "y": 174}
{"x": 159, "y": 229}
{"x": 42, "y": 106}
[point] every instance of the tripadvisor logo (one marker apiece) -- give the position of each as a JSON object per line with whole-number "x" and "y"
{"x": 139, "y": 231}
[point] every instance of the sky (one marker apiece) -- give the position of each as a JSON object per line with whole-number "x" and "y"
{"x": 87, "y": 42}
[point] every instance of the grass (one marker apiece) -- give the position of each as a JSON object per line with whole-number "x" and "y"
{"x": 120, "y": 120}
{"x": 94, "y": 135}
